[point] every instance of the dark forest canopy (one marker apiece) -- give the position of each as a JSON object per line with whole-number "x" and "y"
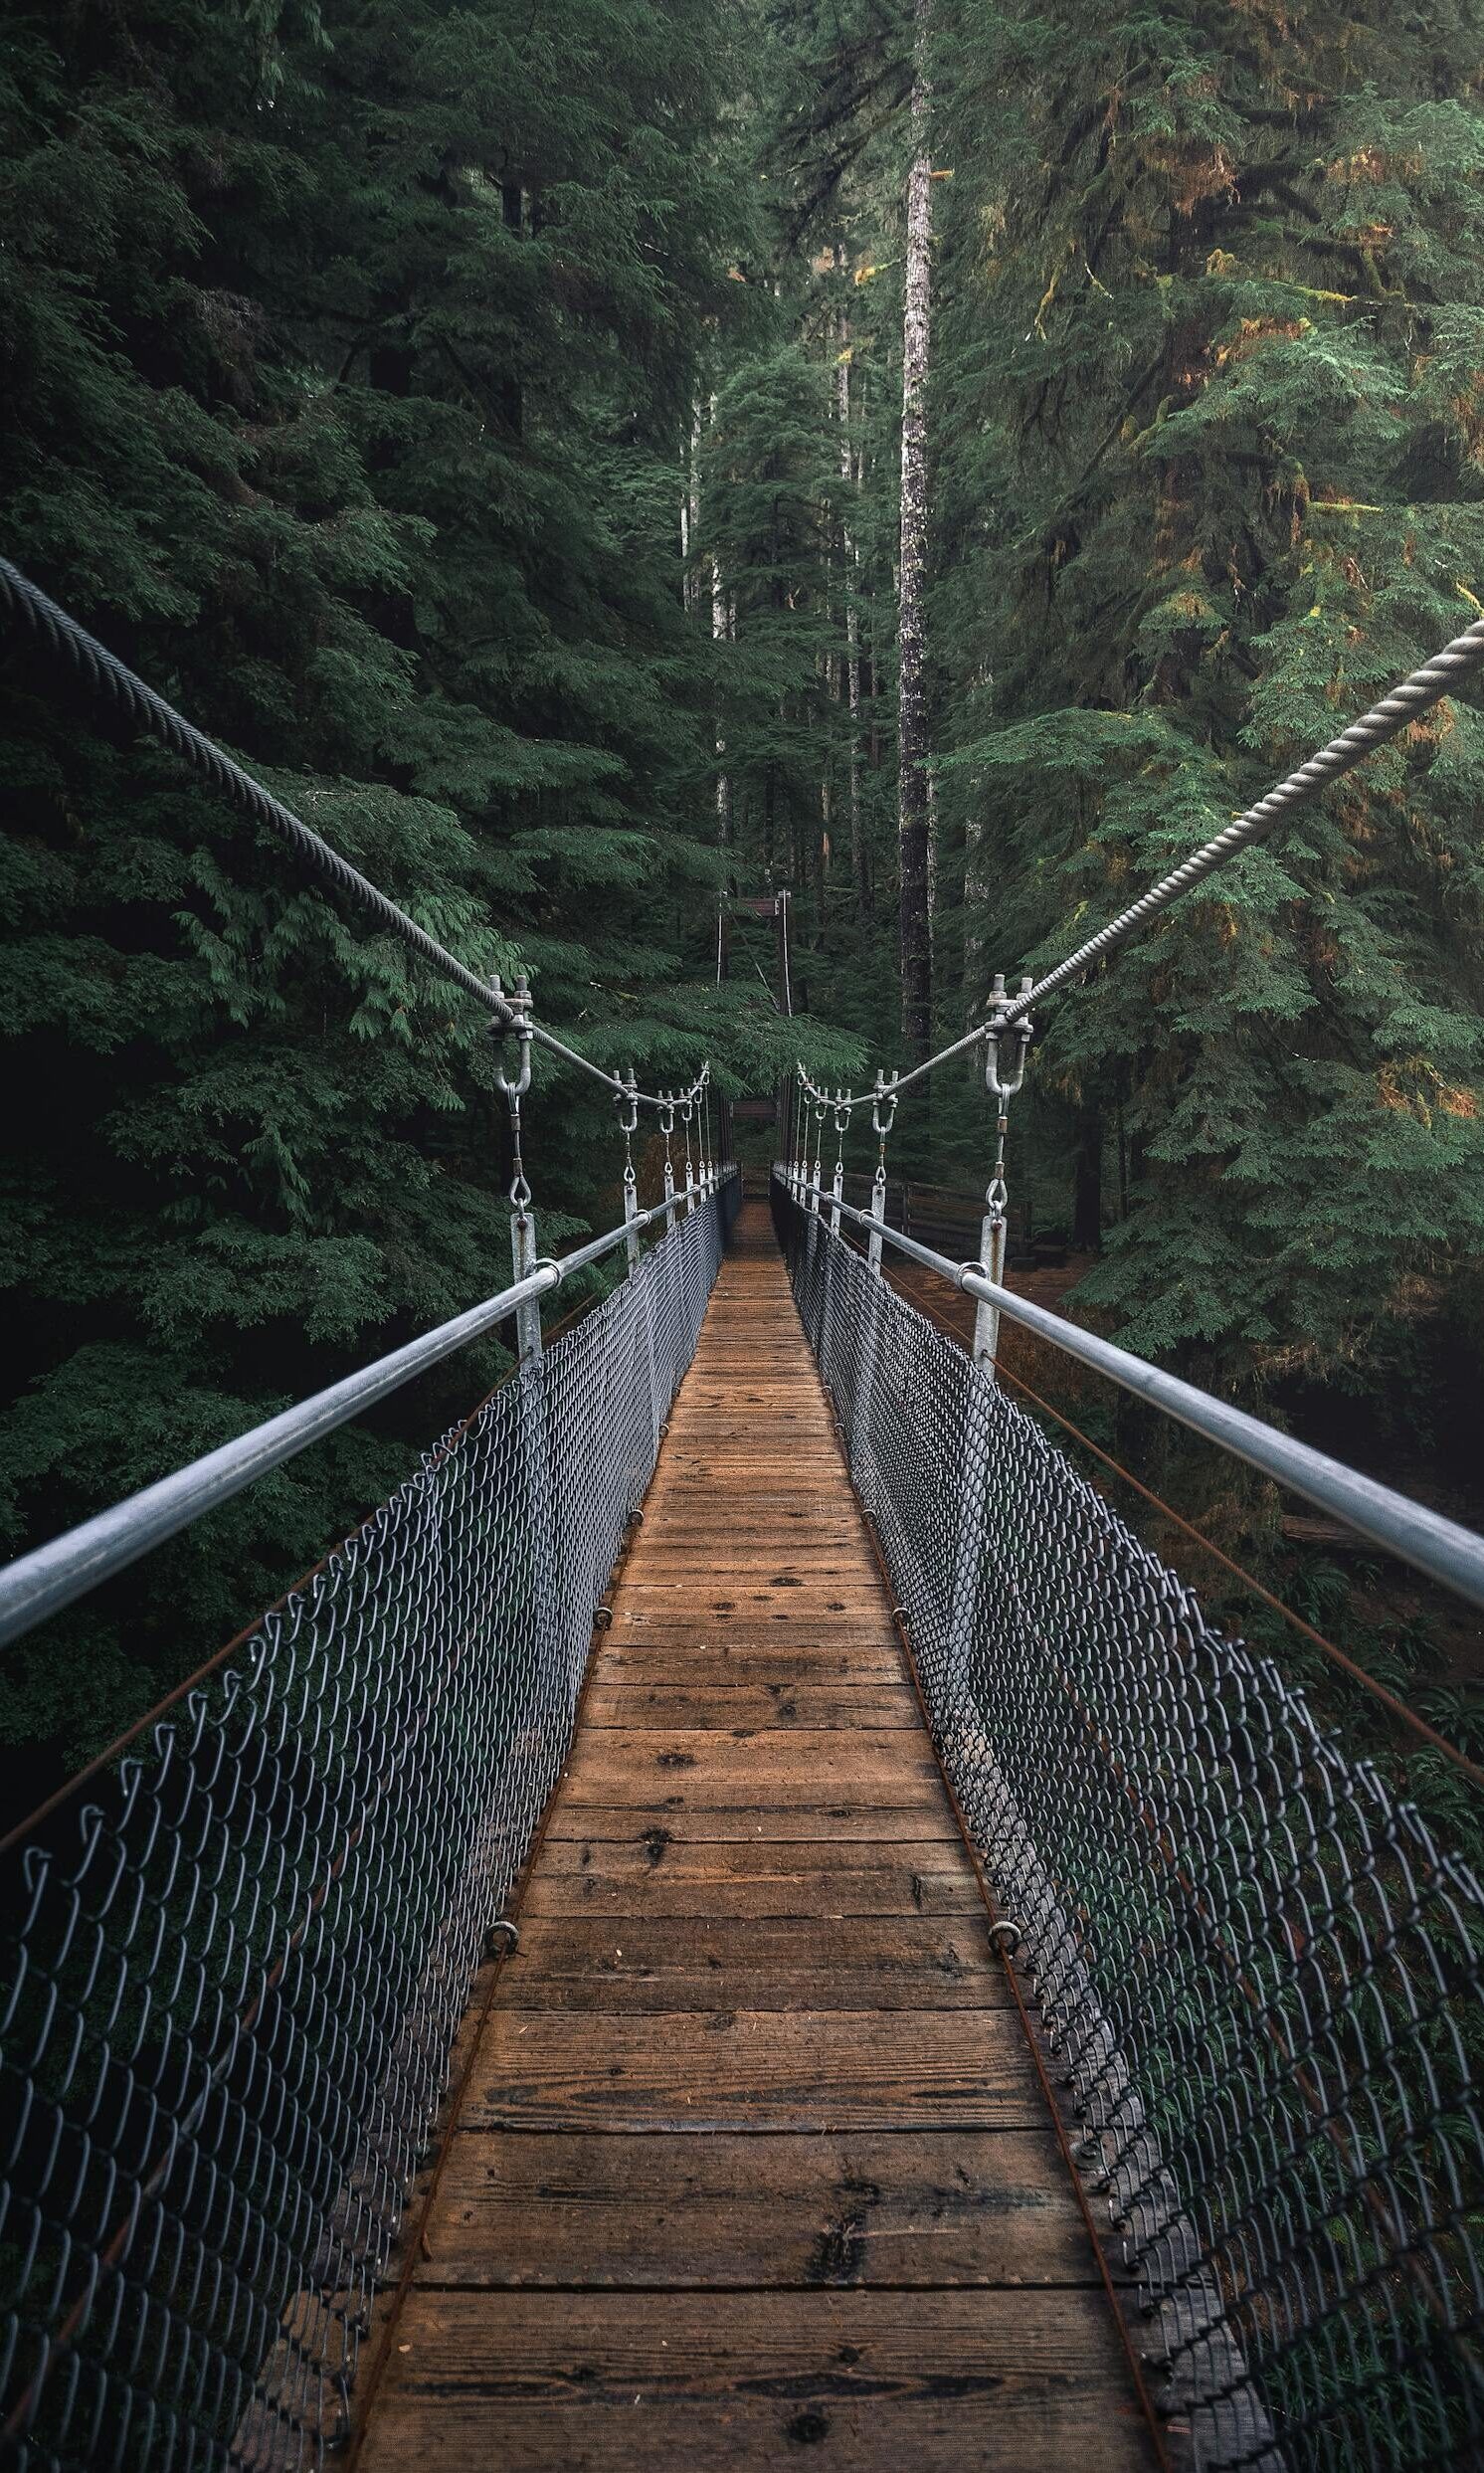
{"x": 488, "y": 420}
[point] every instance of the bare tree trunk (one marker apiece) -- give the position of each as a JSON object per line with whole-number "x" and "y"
{"x": 913, "y": 819}
{"x": 690, "y": 514}
{"x": 976, "y": 895}
{"x": 721, "y": 630}
{"x": 851, "y": 561}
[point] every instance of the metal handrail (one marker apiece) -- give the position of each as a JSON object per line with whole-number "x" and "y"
{"x": 1441, "y": 1548}
{"x": 53, "y": 1575}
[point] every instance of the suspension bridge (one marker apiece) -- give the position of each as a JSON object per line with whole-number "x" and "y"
{"x": 743, "y": 1908}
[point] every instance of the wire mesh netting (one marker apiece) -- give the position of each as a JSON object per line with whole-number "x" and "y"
{"x": 238, "y": 1976}
{"x": 1259, "y": 1971}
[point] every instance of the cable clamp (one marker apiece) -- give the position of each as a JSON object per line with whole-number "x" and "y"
{"x": 883, "y": 1096}
{"x": 519, "y": 1030}
{"x": 1003, "y": 1083}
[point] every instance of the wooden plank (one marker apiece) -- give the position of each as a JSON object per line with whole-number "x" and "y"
{"x": 674, "y": 1820}
{"x": 753, "y": 2107}
{"x": 721, "y": 1619}
{"x": 576, "y": 2211}
{"x": 643, "y": 1765}
{"x": 729, "y": 1706}
{"x": 674, "y": 1654}
{"x": 616, "y": 2382}
{"x": 637, "y": 1964}
{"x": 738, "y": 2070}
{"x": 664, "y": 1875}
{"x": 795, "y": 1601}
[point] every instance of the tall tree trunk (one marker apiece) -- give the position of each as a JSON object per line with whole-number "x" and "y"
{"x": 690, "y": 514}
{"x": 721, "y": 630}
{"x": 851, "y": 559}
{"x": 976, "y": 897}
{"x": 913, "y": 818}
{"x": 723, "y": 627}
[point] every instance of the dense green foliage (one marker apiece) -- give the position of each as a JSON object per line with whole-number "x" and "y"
{"x": 350, "y": 356}
{"x": 1210, "y": 433}
{"x": 488, "y": 422}
{"x": 1204, "y": 422}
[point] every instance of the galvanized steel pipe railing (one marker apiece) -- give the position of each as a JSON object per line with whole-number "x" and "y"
{"x": 52, "y": 1576}
{"x": 1442, "y": 1549}
{"x": 1259, "y": 1963}
{"x": 239, "y": 1949}
{"x": 1452, "y": 667}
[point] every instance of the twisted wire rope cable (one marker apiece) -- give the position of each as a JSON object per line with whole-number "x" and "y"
{"x": 1449, "y": 669}
{"x": 1417, "y": 693}
{"x": 25, "y": 607}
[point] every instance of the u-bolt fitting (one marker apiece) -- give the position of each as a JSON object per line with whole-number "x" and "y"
{"x": 518, "y": 1028}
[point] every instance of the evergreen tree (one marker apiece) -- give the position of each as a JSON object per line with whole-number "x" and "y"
{"x": 1211, "y": 483}
{"x": 348, "y": 352}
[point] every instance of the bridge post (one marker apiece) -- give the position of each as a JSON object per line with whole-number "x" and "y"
{"x": 627, "y": 1106}
{"x": 883, "y": 1097}
{"x": 523, "y": 1262}
{"x": 667, "y": 1128}
{"x": 548, "y": 1602}
{"x": 708, "y": 1162}
{"x": 522, "y": 1219}
{"x": 992, "y": 1239}
{"x": 811, "y": 1175}
{"x": 969, "y": 1540}
{"x": 1002, "y": 1085}
{"x": 878, "y": 1213}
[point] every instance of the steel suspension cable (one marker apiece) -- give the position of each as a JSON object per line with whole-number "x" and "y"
{"x": 24, "y": 607}
{"x": 1449, "y": 669}
{"x": 1417, "y": 693}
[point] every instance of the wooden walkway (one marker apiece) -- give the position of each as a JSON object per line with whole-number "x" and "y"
{"x": 753, "y": 2157}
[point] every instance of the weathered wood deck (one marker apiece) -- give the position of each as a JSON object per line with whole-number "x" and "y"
{"x": 752, "y": 2156}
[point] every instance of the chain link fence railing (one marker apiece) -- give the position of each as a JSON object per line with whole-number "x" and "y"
{"x": 1261, "y": 1974}
{"x": 236, "y": 1975}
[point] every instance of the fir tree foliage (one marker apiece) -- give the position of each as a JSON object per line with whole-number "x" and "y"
{"x": 348, "y": 349}
{"x": 1207, "y": 411}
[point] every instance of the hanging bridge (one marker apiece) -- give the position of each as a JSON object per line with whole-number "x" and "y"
{"x": 743, "y": 1908}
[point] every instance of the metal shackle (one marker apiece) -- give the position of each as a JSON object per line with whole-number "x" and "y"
{"x": 518, "y": 1030}
{"x": 1004, "y": 1086}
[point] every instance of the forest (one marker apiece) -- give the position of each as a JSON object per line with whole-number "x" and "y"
{"x": 608, "y": 462}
